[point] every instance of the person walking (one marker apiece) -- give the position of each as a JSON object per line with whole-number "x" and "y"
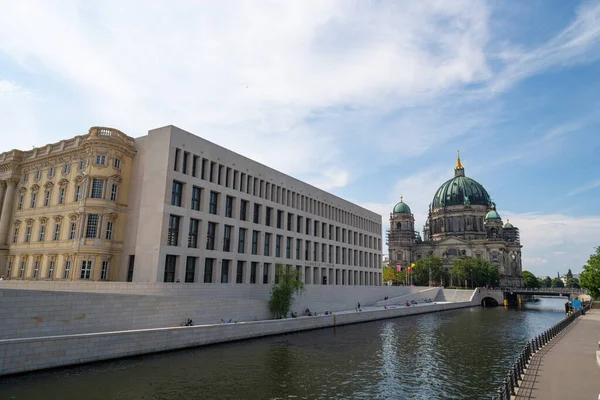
{"x": 358, "y": 307}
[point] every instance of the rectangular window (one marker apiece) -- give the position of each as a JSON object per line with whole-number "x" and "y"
{"x": 288, "y": 247}
{"x": 25, "y": 177}
{"x": 227, "y": 174}
{"x": 33, "y": 199}
{"x": 196, "y": 198}
{"x": 92, "y": 226}
{"x": 267, "y": 244}
{"x": 104, "y": 271}
{"x": 227, "y": 238}
{"x": 208, "y": 270}
{"x": 173, "y": 233}
{"x": 255, "y": 242}
{"x": 190, "y": 268}
{"x": 278, "y": 246}
{"x": 195, "y": 166}
{"x": 235, "y": 178}
{"x": 9, "y": 269}
{"x": 42, "y": 233}
{"x": 210, "y": 236}
{"x": 38, "y": 175}
{"x": 225, "y": 271}
{"x": 170, "y": 265}
{"x": 279, "y": 219}
{"x": 268, "y": 213}
{"x": 256, "y": 213}
{"x": 243, "y": 207}
{"x": 61, "y": 196}
{"x": 81, "y": 164}
{"x": 56, "y": 232}
{"x": 113, "y": 192}
{"x": 253, "y": 268}
{"x": 130, "y": 266}
{"x": 22, "y": 269}
{"x": 266, "y": 273}
{"x": 86, "y": 269}
{"x": 46, "y": 198}
{"x": 50, "y": 172}
{"x": 72, "y": 231}
{"x": 100, "y": 160}
{"x": 242, "y": 241}
{"x": 21, "y": 199}
{"x": 109, "y": 230}
{"x": 28, "y": 234}
{"x": 67, "y": 271}
{"x": 290, "y": 219}
{"x": 229, "y": 207}
{"x": 51, "y": 269}
{"x": 15, "y": 235}
{"x": 211, "y": 178}
{"x": 186, "y": 155}
{"x": 220, "y": 174}
{"x": 97, "y": 186}
{"x": 117, "y": 163}
{"x": 77, "y": 193}
{"x": 193, "y": 234}
{"x": 203, "y": 169}
{"x": 239, "y": 275}
{"x": 36, "y": 269}
{"x": 214, "y": 201}
{"x": 298, "y": 246}
{"x": 176, "y": 160}
{"x": 176, "y": 193}
{"x": 298, "y": 224}
{"x": 66, "y": 168}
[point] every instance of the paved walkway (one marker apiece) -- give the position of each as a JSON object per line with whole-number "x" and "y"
{"x": 566, "y": 368}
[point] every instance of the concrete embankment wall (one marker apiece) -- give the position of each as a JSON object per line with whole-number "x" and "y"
{"x": 59, "y": 308}
{"x": 30, "y": 354}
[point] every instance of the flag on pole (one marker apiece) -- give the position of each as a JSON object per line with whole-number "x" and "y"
{"x": 399, "y": 267}
{"x": 408, "y": 270}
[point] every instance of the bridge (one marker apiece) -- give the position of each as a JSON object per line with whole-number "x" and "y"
{"x": 544, "y": 291}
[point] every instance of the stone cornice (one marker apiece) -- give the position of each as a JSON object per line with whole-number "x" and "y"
{"x": 63, "y": 182}
{"x": 35, "y": 187}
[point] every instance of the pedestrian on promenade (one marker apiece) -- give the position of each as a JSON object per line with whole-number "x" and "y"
{"x": 567, "y": 308}
{"x": 358, "y": 307}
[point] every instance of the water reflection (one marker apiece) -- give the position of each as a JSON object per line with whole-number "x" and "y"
{"x": 450, "y": 355}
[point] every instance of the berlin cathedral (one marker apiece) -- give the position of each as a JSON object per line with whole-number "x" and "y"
{"x": 462, "y": 222}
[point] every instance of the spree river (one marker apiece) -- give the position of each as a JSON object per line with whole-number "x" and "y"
{"x": 461, "y": 354}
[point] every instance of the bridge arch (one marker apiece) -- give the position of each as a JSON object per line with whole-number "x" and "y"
{"x": 489, "y": 302}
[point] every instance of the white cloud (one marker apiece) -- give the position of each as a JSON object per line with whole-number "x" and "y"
{"x": 584, "y": 188}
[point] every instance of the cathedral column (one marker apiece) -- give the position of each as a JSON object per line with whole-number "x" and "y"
{"x": 7, "y": 208}
{"x": 2, "y": 190}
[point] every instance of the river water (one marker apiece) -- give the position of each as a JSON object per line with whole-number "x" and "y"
{"x": 461, "y": 354}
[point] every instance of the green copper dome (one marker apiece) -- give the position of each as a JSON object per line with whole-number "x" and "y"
{"x": 401, "y": 207}
{"x": 460, "y": 191}
{"x": 508, "y": 225}
{"x": 492, "y": 215}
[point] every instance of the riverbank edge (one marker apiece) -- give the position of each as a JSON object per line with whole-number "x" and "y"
{"x": 38, "y": 353}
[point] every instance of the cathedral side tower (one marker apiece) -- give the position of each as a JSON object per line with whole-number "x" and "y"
{"x": 401, "y": 235}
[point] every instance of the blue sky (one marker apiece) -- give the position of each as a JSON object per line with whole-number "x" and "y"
{"x": 369, "y": 100}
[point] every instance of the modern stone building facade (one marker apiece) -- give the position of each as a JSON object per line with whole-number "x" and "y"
{"x": 64, "y": 207}
{"x": 170, "y": 207}
{"x": 202, "y": 213}
{"x": 462, "y": 222}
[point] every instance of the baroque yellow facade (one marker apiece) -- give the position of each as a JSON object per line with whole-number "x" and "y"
{"x": 64, "y": 207}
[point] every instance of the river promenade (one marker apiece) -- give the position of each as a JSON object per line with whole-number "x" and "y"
{"x": 566, "y": 368}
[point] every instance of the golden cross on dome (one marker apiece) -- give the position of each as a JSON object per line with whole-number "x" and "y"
{"x": 458, "y": 164}
{"x": 401, "y": 197}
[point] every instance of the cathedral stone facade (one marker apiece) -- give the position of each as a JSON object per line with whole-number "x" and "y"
{"x": 462, "y": 222}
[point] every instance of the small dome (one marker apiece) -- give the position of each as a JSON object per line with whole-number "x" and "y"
{"x": 508, "y": 224}
{"x": 401, "y": 207}
{"x": 493, "y": 214}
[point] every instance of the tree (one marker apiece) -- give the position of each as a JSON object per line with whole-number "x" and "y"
{"x": 422, "y": 269}
{"x": 572, "y": 283}
{"x": 287, "y": 285}
{"x": 590, "y": 277}
{"x": 475, "y": 271}
{"x": 547, "y": 282}
{"x": 569, "y": 274}
{"x": 530, "y": 280}
{"x": 557, "y": 283}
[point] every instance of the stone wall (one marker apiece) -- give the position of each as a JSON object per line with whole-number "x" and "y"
{"x": 30, "y": 354}
{"x": 31, "y": 309}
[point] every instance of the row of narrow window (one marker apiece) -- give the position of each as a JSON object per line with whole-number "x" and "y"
{"x": 51, "y": 172}
{"x": 312, "y": 250}
{"x": 198, "y": 167}
{"x": 255, "y": 274}
{"x": 344, "y": 236}
{"x": 96, "y": 192}
{"x": 92, "y": 231}
{"x": 86, "y": 271}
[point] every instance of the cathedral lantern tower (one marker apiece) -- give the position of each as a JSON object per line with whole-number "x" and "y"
{"x": 402, "y": 235}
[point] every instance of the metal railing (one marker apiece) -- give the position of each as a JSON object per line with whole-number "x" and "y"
{"x": 515, "y": 374}
{"x": 541, "y": 290}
